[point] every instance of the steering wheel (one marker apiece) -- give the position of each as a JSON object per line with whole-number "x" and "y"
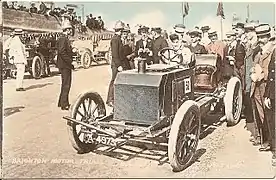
{"x": 168, "y": 55}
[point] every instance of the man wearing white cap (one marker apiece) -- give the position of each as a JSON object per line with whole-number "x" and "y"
{"x": 18, "y": 54}
{"x": 259, "y": 78}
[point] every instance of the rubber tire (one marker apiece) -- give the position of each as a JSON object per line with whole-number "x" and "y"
{"x": 228, "y": 101}
{"x": 76, "y": 143}
{"x": 182, "y": 111}
{"x": 85, "y": 65}
{"x": 35, "y": 59}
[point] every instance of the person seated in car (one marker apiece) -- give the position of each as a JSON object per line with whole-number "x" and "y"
{"x": 181, "y": 51}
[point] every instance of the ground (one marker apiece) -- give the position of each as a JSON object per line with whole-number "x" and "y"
{"x": 36, "y": 144}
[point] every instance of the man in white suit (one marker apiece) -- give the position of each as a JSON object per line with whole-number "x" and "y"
{"x": 18, "y": 54}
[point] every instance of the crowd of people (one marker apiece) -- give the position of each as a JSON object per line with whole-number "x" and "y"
{"x": 249, "y": 47}
{"x": 67, "y": 12}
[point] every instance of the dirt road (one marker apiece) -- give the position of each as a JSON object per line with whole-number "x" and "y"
{"x": 36, "y": 144}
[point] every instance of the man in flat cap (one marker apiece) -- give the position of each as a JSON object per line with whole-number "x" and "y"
{"x": 195, "y": 47}
{"x": 205, "y": 39}
{"x": 259, "y": 78}
{"x": 143, "y": 47}
{"x": 158, "y": 44}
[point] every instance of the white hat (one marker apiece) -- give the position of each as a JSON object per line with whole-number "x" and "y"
{"x": 179, "y": 28}
{"x": 263, "y": 29}
{"x": 119, "y": 25}
{"x": 18, "y": 31}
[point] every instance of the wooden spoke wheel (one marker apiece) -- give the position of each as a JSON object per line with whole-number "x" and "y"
{"x": 37, "y": 67}
{"x": 184, "y": 135}
{"x": 86, "y": 60}
{"x": 233, "y": 101}
{"x": 87, "y": 108}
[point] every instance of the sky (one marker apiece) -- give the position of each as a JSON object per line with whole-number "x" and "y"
{"x": 167, "y": 14}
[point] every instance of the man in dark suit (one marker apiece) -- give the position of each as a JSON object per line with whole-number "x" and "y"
{"x": 195, "y": 47}
{"x": 269, "y": 102}
{"x": 116, "y": 62}
{"x": 158, "y": 44}
{"x": 143, "y": 47}
{"x": 33, "y": 9}
{"x": 64, "y": 63}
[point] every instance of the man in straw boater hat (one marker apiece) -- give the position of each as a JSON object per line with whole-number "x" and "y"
{"x": 64, "y": 63}
{"x": 116, "y": 61}
{"x": 17, "y": 52}
{"x": 181, "y": 31}
{"x": 260, "y": 78}
{"x": 158, "y": 44}
{"x": 251, "y": 49}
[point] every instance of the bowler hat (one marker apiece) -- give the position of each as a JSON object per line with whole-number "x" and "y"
{"x": 262, "y": 30}
{"x": 205, "y": 28}
{"x": 240, "y": 25}
{"x": 157, "y": 29}
{"x": 143, "y": 29}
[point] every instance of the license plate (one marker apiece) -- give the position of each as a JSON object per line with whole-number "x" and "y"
{"x": 106, "y": 141}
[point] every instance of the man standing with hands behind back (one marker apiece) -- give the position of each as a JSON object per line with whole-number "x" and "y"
{"x": 64, "y": 63}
